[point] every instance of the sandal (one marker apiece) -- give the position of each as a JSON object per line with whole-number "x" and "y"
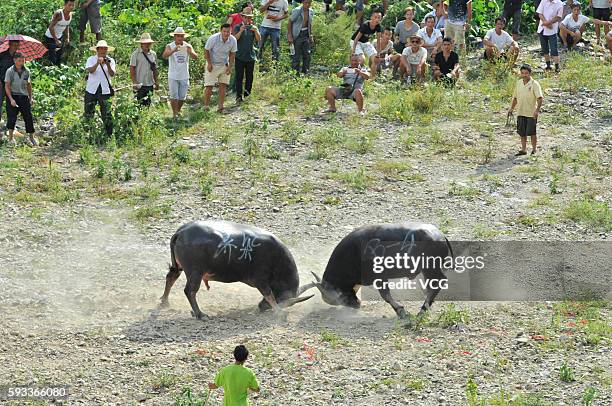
{"x": 521, "y": 153}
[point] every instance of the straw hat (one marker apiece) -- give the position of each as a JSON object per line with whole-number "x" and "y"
{"x": 179, "y": 31}
{"x": 102, "y": 44}
{"x": 145, "y": 39}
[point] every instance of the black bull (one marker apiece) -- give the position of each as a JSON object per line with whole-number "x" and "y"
{"x": 352, "y": 262}
{"x": 223, "y": 251}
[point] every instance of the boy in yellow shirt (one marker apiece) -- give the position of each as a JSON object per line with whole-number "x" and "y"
{"x": 528, "y": 97}
{"x": 236, "y": 380}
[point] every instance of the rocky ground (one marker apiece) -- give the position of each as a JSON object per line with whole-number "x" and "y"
{"x": 80, "y": 281}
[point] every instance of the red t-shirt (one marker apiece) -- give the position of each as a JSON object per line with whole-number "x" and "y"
{"x": 236, "y": 20}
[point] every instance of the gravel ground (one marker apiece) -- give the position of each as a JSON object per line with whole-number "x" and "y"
{"x": 80, "y": 283}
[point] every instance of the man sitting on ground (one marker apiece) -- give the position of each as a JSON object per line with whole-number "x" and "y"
{"x": 499, "y": 44}
{"x": 446, "y": 64}
{"x": 353, "y": 77}
{"x": 573, "y": 25}
{"x": 414, "y": 60}
{"x": 432, "y": 38}
{"x": 385, "y": 56}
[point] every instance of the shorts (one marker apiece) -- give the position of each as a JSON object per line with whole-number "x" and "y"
{"x": 177, "y": 89}
{"x": 601, "y": 14}
{"x": 526, "y": 126}
{"x": 91, "y": 14}
{"x": 399, "y": 46}
{"x": 364, "y": 48}
{"x": 412, "y": 69}
{"x": 549, "y": 44}
{"x": 339, "y": 94}
{"x": 217, "y": 75}
{"x": 456, "y": 32}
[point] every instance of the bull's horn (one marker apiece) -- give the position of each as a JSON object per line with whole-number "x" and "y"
{"x": 304, "y": 288}
{"x": 316, "y": 276}
{"x": 294, "y": 300}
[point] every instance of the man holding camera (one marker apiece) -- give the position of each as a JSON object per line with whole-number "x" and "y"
{"x": 143, "y": 70}
{"x": 99, "y": 90}
{"x": 246, "y": 34}
{"x": 220, "y": 56}
{"x": 354, "y": 77}
{"x": 178, "y": 53}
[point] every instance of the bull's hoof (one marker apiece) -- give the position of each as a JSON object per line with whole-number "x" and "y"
{"x": 264, "y": 306}
{"x": 164, "y": 304}
{"x": 199, "y": 316}
{"x": 281, "y": 315}
{"x": 401, "y": 313}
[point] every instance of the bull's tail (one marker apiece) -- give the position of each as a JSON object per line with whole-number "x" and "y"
{"x": 450, "y": 249}
{"x": 174, "y": 265}
{"x": 174, "y": 271}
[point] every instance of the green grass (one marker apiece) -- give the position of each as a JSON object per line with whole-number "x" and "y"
{"x": 358, "y": 180}
{"x": 590, "y": 212}
{"x": 566, "y": 373}
{"x": 451, "y": 315}
{"x": 331, "y": 338}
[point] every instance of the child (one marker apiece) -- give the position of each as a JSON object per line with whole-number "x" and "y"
{"x": 236, "y": 379}
{"x": 18, "y": 89}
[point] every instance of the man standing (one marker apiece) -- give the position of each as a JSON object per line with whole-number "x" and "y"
{"x": 18, "y": 89}
{"x": 246, "y": 34}
{"x": 90, "y": 12}
{"x": 550, "y": 13}
{"x": 6, "y": 61}
{"x": 220, "y": 56}
{"x": 414, "y": 58}
{"x": 498, "y": 43}
{"x": 178, "y": 53}
{"x": 353, "y": 77}
{"x": 432, "y": 37}
{"x": 512, "y": 11}
{"x": 275, "y": 11}
{"x": 58, "y": 32}
{"x": 601, "y": 11}
{"x": 446, "y": 64}
{"x": 458, "y": 22}
{"x": 528, "y": 98}
{"x": 100, "y": 68}
{"x": 299, "y": 34}
{"x": 143, "y": 70}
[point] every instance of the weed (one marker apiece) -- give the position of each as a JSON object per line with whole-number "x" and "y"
{"x": 566, "y": 373}
{"x": 451, "y": 316}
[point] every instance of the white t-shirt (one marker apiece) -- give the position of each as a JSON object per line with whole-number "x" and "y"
{"x": 502, "y": 41}
{"x": 601, "y": 4}
{"x": 278, "y": 8}
{"x": 97, "y": 78}
{"x": 574, "y": 25}
{"x": 414, "y": 58}
{"x": 429, "y": 40}
{"x": 178, "y": 63}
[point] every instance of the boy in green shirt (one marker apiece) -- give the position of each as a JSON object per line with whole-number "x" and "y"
{"x": 236, "y": 379}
